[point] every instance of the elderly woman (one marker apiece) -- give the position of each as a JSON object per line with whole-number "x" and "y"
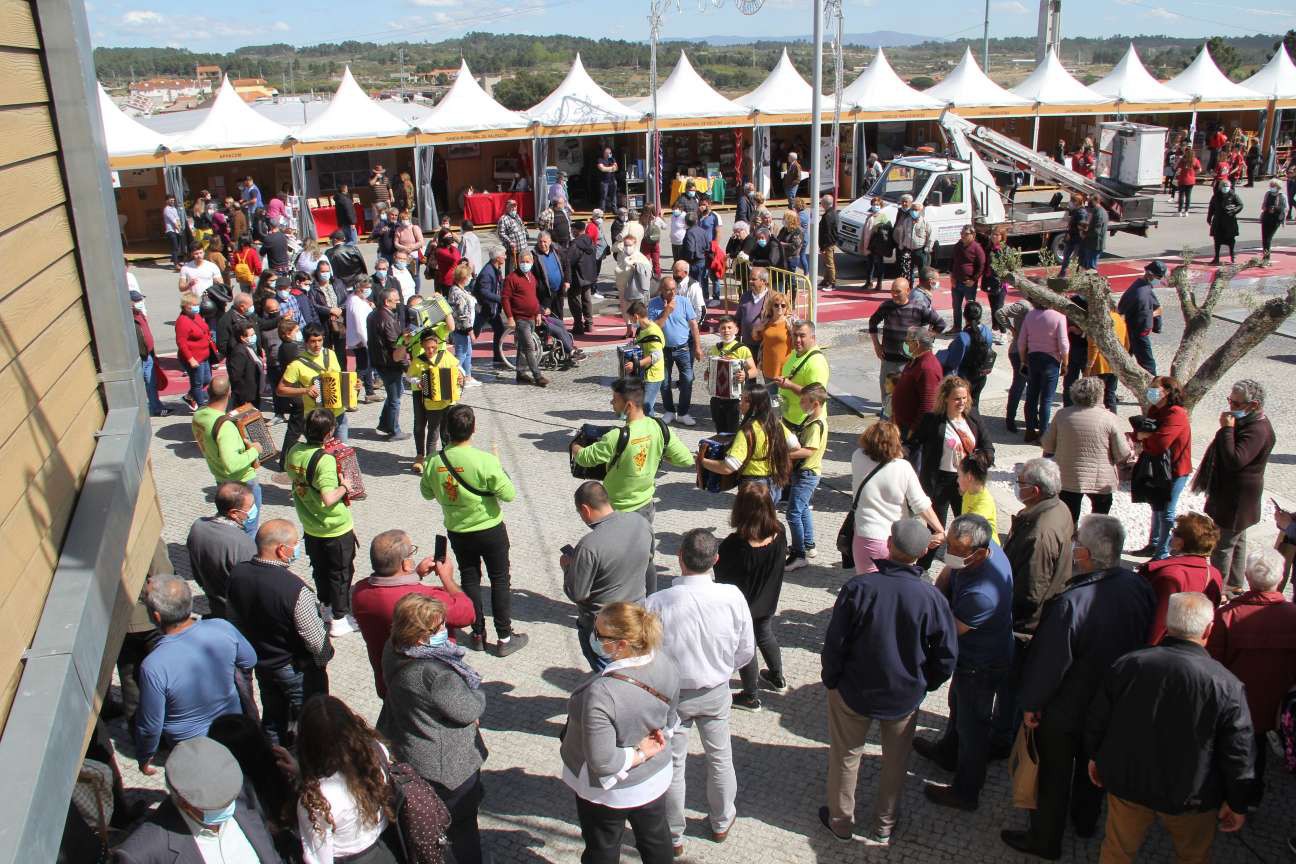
{"x": 614, "y": 746}
{"x": 942, "y": 438}
{"x": 1088, "y": 443}
{"x": 1187, "y": 569}
{"x": 431, "y": 713}
{"x": 633, "y": 274}
{"x": 194, "y": 348}
{"x": 1173, "y": 435}
{"x": 764, "y": 249}
{"x": 885, "y": 487}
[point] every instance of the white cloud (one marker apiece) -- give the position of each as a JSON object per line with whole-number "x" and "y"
{"x": 141, "y": 18}
{"x": 1162, "y": 13}
{"x": 1012, "y": 7}
{"x": 281, "y": 27}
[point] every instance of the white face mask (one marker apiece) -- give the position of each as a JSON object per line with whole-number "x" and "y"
{"x": 954, "y": 562}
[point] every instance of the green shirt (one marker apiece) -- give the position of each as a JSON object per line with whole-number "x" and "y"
{"x": 316, "y": 519}
{"x": 443, "y": 359}
{"x": 814, "y": 436}
{"x": 464, "y": 511}
{"x": 632, "y": 481}
{"x": 298, "y": 374}
{"x": 654, "y": 349}
{"x": 813, "y": 371}
{"x": 228, "y": 458}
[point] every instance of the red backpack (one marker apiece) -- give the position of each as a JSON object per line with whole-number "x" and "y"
{"x": 718, "y": 259}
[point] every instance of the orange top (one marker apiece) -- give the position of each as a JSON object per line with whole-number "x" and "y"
{"x": 776, "y": 345}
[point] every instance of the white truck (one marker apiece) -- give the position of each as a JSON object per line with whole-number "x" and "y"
{"x": 959, "y": 189}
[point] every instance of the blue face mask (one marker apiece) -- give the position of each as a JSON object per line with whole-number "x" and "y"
{"x": 253, "y": 512}
{"x": 1153, "y": 394}
{"x": 252, "y": 339}
{"x": 299, "y": 550}
{"x": 192, "y": 310}
{"x": 1238, "y": 415}
{"x": 906, "y": 350}
{"x": 365, "y": 293}
{"x": 284, "y": 294}
{"x": 914, "y": 213}
{"x": 762, "y": 242}
{"x": 221, "y": 816}
{"x": 381, "y": 274}
{"x": 525, "y": 268}
{"x": 439, "y": 638}
{"x": 597, "y": 644}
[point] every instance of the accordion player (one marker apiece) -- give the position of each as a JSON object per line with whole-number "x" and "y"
{"x": 715, "y": 447}
{"x": 722, "y": 377}
{"x": 338, "y": 390}
{"x": 632, "y": 354}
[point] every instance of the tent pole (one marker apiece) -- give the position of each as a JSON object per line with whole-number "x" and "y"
{"x": 1035, "y": 139}
{"x": 1267, "y": 138}
{"x": 816, "y": 169}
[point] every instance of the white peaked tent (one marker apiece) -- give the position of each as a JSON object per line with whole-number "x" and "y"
{"x": 579, "y": 100}
{"x": 1130, "y": 81}
{"x": 685, "y": 94}
{"x": 231, "y": 122}
{"x": 1276, "y": 79}
{"x": 352, "y": 114}
{"x": 1203, "y": 80}
{"x": 466, "y": 107}
{"x": 879, "y": 88}
{"x": 968, "y": 86}
{"x": 124, "y": 135}
{"x": 1051, "y": 84}
{"x": 783, "y": 91}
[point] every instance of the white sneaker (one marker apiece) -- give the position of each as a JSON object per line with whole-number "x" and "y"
{"x": 471, "y": 382}
{"x": 795, "y": 564}
{"x": 342, "y": 626}
{"x": 668, "y": 418}
{"x": 686, "y": 420}
{"x": 812, "y": 552}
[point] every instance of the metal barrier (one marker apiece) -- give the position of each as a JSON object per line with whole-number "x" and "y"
{"x": 790, "y": 282}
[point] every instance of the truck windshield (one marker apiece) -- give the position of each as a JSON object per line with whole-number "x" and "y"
{"x": 900, "y": 180}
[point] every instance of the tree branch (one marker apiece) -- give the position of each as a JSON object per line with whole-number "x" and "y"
{"x": 1253, "y": 330}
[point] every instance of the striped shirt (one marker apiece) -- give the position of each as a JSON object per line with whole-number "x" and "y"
{"x": 895, "y": 321}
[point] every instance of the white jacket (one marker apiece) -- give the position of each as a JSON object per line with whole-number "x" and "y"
{"x": 357, "y": 311}
{"x": 893, "y": 494}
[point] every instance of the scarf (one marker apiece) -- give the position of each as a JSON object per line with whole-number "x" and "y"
{"x": 451, "y": 655}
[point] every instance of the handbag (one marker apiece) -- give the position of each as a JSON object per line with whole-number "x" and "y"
{"x": 846, "y": 534}
{"x": 1023, "y": 769}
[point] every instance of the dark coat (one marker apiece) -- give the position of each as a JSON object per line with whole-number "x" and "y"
{"x": 165, "y": 838}
{"x": 582, "y": 263}
{"x": 1221, "y": 216}
{"x": 245, "y": 377}
{"x": 384, "y": 328}
{"x": 348, "y": 263}
{"x": 770, "y": 256}
{"x": 1239, "y": 455}
{"x": 929, "y": 437}
{"x": 1170, "y": 730}
{"x": 828, "y": 229}
{"x": 547, "y": 291}
{"x": 231, "y": 322}
{"x": 1095, "y": 619}
{"x": 1039, "y": 549}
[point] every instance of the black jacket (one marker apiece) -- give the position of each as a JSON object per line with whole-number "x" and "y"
{"x": 891, "y": 640}
{"x": 229, "y": 327}
{"x": 770, "y": 256}
{"x": 344, "y": 207}
{"x": 165, "y": 837}
{"x": 745, "y": 210}
{"x": 245, "y": 376}
{"x": 582, "y": 263}
{"x": 348, "y": 263}
{"x": 384, "y": 328}
{"x": 1096, "y": 618}
{"x": 1170, "y": 730}
{"x": 547, "y": 292}
{"x": 929, "y": 437}
{"x": 828, "y": 228}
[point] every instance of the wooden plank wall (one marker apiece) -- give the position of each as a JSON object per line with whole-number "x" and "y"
{"x": 52, "y": 405}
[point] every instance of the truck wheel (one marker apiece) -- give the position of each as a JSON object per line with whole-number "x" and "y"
{"x": 1057, "y": 245}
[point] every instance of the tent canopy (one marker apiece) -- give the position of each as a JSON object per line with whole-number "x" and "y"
{"x": 879, "y": 88}
{"x": 1203, "y": 80}
{"x": 1052, "y": 84}
{"x": 685, "y": 94}
{"x": 352, "y": 114}
{"x": 230, "y": 122}
{"x": 783, "y": 91}
{"x": 579, "y": 100}
{"x": 1276, "y": 79}
{"x": 467, "y": 108}
{"x": 126, "y": 136}
{"x": 1130, "y": 81}
{"x": 967, "y": 86}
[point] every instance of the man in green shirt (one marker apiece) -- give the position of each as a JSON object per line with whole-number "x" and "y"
{"x": 228, "y": 457}
{"x": 806, "y": 365}
{"x": 631, "y": 479}
{"x": 301, "y": 377}
{"x": 469, "y": 484}
{"x": 320, "y": 499}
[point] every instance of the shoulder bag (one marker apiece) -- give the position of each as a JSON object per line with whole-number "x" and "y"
{"x": 846, "y": 535}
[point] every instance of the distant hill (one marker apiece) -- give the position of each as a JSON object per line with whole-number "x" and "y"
{"x": 883, "y": 38}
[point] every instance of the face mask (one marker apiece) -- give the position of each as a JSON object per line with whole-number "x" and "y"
{"x": 299, "y": 550}
{"x": 297, "y": 337}
{"x": 1153, "y": 394}
{"x": 1226, "y": 189}
{"x": 404, "y": 223}
{"x": 597, "y": 644}
{"x": 253, "y": 512}
{"x": 380, "y": 275}
{"x": 906, "y": 350}
{"x": 762, "y": 242}
{"x": 1018, "y": 492}
{"x": 525, "y": 268}
{"x": 284, "y": 293}
{"x": 629, "y": 250}
{"x": 954, "y": 562}
{"x": 139, "y": 305}
{"x": 324, "y": 276}
{"x": 252, "y": 339}
{"x": 221, "y": 816}
{"x": 192, "y": 310}
{"x": 874, "y": 209}
{"x": 383, "y": 217}
{"x": 913, "y": 213}
{"x": 402, "y": 265}
{"x": 1238, "y": 415}
{"x": 365, "y": 293}
{"x": 439, "y": 638}
{"x": 692, "y": 194}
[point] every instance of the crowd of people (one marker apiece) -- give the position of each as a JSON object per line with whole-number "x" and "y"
{"x": 1158, "y": 686}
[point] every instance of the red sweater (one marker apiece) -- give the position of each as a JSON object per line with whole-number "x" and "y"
{"x": 1255, "y": 638}
{"x": 1186, "y": 173}
{"x": 193, "y": 338}
{"x": 447, "y": 258}
{"x": 519, "y": 296}
{"x": 1176, "y": 574}
{"x": 915, "y": 392}
{"x": 969, "y": 263}
{"x": 1174, "y": 434}
{"x": 374, "y": 606}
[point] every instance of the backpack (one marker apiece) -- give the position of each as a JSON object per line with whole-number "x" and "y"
{"x": 979, "y": 359}
{"x": 421, "y": 816}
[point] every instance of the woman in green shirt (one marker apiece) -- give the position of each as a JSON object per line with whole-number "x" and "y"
{"x": 760, "y": 451}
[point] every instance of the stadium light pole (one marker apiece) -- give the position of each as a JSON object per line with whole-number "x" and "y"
{"x": 816, "y": 158}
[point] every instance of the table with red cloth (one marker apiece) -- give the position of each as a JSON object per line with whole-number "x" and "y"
{"x": 326, "y": 220}
{"x": 486, "y": 208}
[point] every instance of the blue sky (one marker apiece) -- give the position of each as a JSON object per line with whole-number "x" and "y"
{"x": 233, "y": 23}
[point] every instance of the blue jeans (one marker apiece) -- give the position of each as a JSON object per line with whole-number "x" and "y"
{"x": 962, "y": 294}
{"x": 776, "y": 492}
{"x": 1041, "y": 383}
{"x": 250, "y": 526}
{"x": 1163, "y": 520}
{"x": 971, "y": 727}
{"x": 463, "y": 351}
{"x": 350, "y": 235}
{"x": 1015, "y": 389}
{"x": 652, "y": 389}
{"x": 799, "y": 515}
{"x": 682, "y": 357}
{"x": 283, "y": 692}
{"x": 1072, "y": 247}
{"x": 199, "y": 377}
{"x": 1141, "y": 348}
{"x": 342, "y": 431}
{"x": 150, "y": 387}
{"x": 393, "y": 379}
{"x": 597, "y": 663}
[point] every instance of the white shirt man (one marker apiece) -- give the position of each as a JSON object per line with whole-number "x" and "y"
{"x": 686, "y": 287}
{"x": 198, "y": 274}
{"x": 401, "y": 275}
{"x": 708, "y": 633}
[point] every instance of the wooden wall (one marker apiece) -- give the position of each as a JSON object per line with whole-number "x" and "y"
{"x": 48, "y": 386}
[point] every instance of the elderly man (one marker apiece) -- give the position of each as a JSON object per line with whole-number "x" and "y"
{"x": 1170, "y": 740}
{"x": 891, "y": 640}
{"x": 552, "y": 279}
{"x": 512, "y": 233}
{"x": 828, "y": 242}
{"x": 709, "y": 635}
{"x": 915, "y": 390}
{"x": 1233, "y": 474}
{"x": 678, "y": 320}
{"x": 229, "y": 327}
{"x": 894, "y": 319}
{"x": 217, "y": 544}
{"x": 520, "y": 301}
{"x": 978, "y": 583}
{"x": 913, "y": 237}
{"x": 1101, "y": 614}
{"x": 208, "y": 815}
{"x": 488, "y": 289}
{"x": 1038, "y": 545}
{"x": 187, "y": 680}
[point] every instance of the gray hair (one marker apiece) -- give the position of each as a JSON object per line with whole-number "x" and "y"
{"x": 499, "y": 253}
{"x": 1250, "y": 391}
{"x": 169, "y": 597}
{"x": 698, "y": 550}
{"x": 1262, "y": 571}
{"x": 929, "y": 274}
{"x": 740, "y": 225}
{"x": 1044, "y": 474}
{"x": 906, "y": 197}
{"x": 1103, "y": 536}
{"x": 826, "y": 200}
{"x": 542, "y": 235}
{"x": 922, "y": 335}
{"x": 1188, "y": 615}
{"x": 1088, "y": 391}
{"x": 389, "y": 550}
{"x": 972, "y": 528}
{"x": 760, "y": 273}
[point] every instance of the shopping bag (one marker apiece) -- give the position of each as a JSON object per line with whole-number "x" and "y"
{"x": 1023, "y": 769}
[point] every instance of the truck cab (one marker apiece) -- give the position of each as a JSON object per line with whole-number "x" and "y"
{"x": 941, "y": 185}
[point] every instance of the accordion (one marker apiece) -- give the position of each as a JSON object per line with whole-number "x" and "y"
{"x": 587, "y": 435}
{"x": 348, "y": 468}
{"x": 439, "y": 384}
{"x": 722, "y": 378}
{"x": 338, "y": 390}
{"x": 252, "y": 426}
{"x": 715, "y": 447}
{"x": 633, "y": 355}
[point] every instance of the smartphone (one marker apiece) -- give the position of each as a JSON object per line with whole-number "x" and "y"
{"x": 1277, "y": 509}
{"x": 439, "y": 551}
{"x": 568, "y": 550}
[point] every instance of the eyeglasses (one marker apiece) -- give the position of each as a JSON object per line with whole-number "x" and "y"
{"x": 780, "y": 305}
{"x": 603, "y": 637}
{"x": 413, "y": 551}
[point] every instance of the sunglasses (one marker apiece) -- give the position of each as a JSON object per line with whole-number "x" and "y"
{"x": 780, "y": 305}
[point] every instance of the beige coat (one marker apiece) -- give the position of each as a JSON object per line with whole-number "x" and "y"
{"x": 1087, "y": 444}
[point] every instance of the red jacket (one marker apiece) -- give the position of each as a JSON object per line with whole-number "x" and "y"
{"x": 1174, "y": 434}
{"x": 374, "y": 605}
{"x": 969, "y": 263}
{"x": 1186, "y": 172}
{"x": 447, "y": 258}
{"x": 1255, "y": 638}
{"x": 915, "y": 392}
{"x": 1218, "y": 140}
{"x": 1176, "y": 574}
{"x": 519, "y": 296}
{"x": 592, "y": 231}
{"x": 193, "y": 338}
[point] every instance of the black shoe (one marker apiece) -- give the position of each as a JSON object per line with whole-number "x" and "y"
{"x": 473, "y": 641}
{"x": 513, "y": 644}
{"x": 524, "y": 379}
{"x": 1020, "y": 841}
{"x": 932, "y": 752}
{"x": 770, "y": 681}
{"x": 744, "y": 702}
{"x": 945, "y": 796}
{"x": 1146, "y": 552}
{"x": 827, "y": 823}
{"x": 999, "y": 752}
{"x": 1011, "y": 425}
{"x": 1086, "y": 831}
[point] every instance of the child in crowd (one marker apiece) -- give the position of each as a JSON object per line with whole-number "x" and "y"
{"x": 807, "y": 468}
{"x": 976, "y": 498}
{"x": 724, "y": 412}
{"x": 653, "y": 363}
{"x": 434, "y": 357}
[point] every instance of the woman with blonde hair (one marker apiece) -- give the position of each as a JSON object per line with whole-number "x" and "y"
{"x": 633, "y": 275}
{"x": 886, "y": 489}
{"x": 791, "y": 238}
{"x": 944, "y": 436}
{"x": 194, "y": 347}
{"x": 309, "y": 257}
{"x": 614, "y": 746}
{"x": 774, "y": 334}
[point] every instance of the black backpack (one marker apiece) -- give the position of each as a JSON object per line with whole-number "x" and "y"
{"x": 590, "y": 433}
{"x": 979, "y": 358}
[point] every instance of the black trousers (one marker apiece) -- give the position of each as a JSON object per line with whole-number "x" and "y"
{"x": 462, "y": 802}
{"x": 332, "y": 566}
{"x": 294, "y": 429}
{"x": 768, "y": 649}
{"x": 580, "y": 300}
{"x": 946, "y": 498}
{"x": 724, "y": 414}
{"x": 1064, "y": 787}
{"x": 471, "y": 549}
{"x": 427, "y": 428}
{"x": 603, "y": 827}
{"x": 1099, "y": 502}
